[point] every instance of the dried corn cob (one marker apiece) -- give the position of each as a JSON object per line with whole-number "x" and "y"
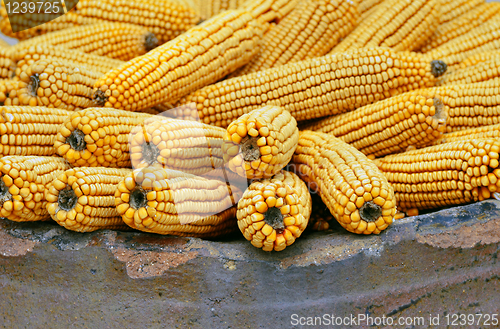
{"x": 388, "y": 126}
{"x": 483, "y": 38}
{"x": 274, "y": 212}
{"x": 451, "y": 9}
{"x": 483, "y": 71}
{"x": 201, "y": 56}
{"x": 165, "y": 201}
{"x": 401, "y": 25}
{"x": 27, "y": 56}
{"x": 443, "y": 175}
{"x": 97, "y": 137}
{"x": 260, "y": 143}
{"x": 115, "y": 40}
{"x": 187, "y": 146}
{"x": 492, "y": 131}
{"x": 310, "y": 30}
{"x": 57, "y": 84}
{"x": 315, "y": 88}
{"x": 23, "y": 182}
{"x": 356, "y": 192}
{"x": 29, "y": 130}
{"x": 7, "y": 65}
{"x": 83, "y": 199}
{"x": 210, "y": 8}
{"x": 462, "y": 25}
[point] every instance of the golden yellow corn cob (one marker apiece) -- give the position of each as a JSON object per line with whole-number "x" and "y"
{"x": 388, "y": 126}
{"x": 201, "y": 56}
{"x": 401, "y": 25}
{"x": 356, "y": 192}
{"x": 57, "y": 84}
{"x": 315, "y": 88}
{"x": 461, "y": 25}
{"x": 478, "y": 58}
{"x": 9, "y": 91}
{"x": 83, "y": 199}
{"x": 114, "y": 40}
{"x": 310, "y": 30}
{"x": 162, "y": 201}
{"x": 260, "y": 143}
{"x": 492, "y": 131}
{"x": 443, "y": 175}
{"x": 187, "y": 146}
{"x": 483, "y": 71}
{"x": 451, "y": 9}
{"x": 274, "y": 212}
{"x": 29, "y": 130}
{"x": 269, "y": 10}
{"x": 27, "y": 56}
{"x": 7, "y": 65}
{"x": 209, "y": 8}
{"x": 480, "y": 39}
{"x": 97, "y": 137}
{"x": 23, "y": 181}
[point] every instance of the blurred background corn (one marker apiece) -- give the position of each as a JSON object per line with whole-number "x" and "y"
{"x": 274, "y": 212}
{"x": 29, "y": 130}
{"x": 260, "y": 143}
{"x": 23, "y": 181}
{"x": 97, "y": 137}
{"x": 83, "y": 199}
{"x": 492, "y": 131}
{"x": 356, "y": 192}
{"x": 451, "y": 9}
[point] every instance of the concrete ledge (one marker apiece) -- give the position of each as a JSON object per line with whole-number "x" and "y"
{"x": 440, "y": 263}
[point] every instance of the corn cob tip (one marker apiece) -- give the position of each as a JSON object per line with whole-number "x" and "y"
{"x": 99, "y": 98}
{"x": 370, "y": 211}
{"x": 34, "y": 84}
{"x": 138, "y": 198}
{"x": 250, "y": 149}
{"x": 151, "y": 41}
{"x": 150, "y": 153}
{"x": 4, "y": 192}
{"x": 274, "y": 218}
{"x": 67, "y": 199}
{"x": 77, "y": 140}
{"x": 438, "y": 68}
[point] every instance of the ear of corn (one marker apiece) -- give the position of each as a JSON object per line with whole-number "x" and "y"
{"x": 356, "y": 192}
{"x": 209, "y": 8}
{"x": 23, "y": 181}
{"x": 366, "y": 6}
{"x": 492, "y": 131}
{"x": 462, "y": 25}
{"x": 443, "y": 175}
{"x": 260, "y": 143}
{"x": 482, "y": 71}
{"x": 29, "y": 130}
{"x": 274, "y": 212}
{"x": 269, "y": 10}
{"x": 451, "y": 9}
{"x": 315, "y": 88}
{"x": 162, "y": 201}
{"x": 310, "y": 30}
{"x": 401, "y": 25}
{"x": 187, "y": 146}
{"x": 480, "y": 39}
{"x": 28, "y": 56}
{"x": 201, "y": 56}
{"x": 97, "y": 137}
{"x": 83, "y": 199}
{"x": 478, "y": 58}
{"x": 388, "y": 126}
{"x": 115, "y": 40}
{"x": 57, "y": 84}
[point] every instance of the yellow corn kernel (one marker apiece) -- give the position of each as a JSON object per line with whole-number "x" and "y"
{"x": 344, "y": 178}
{"x": 271, "y": 223}
{"x": 315, "y": 88}
{"x": 23, "y": 182}
{"x": 97, "y": 137}
{"x": 389, "y": 126}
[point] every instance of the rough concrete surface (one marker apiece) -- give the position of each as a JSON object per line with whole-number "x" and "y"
{"x": 440, "y": 263}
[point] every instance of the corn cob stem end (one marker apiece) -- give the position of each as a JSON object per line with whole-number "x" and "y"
{"x": 77, "y": 140}
{"x": 274, "y": 218}
{"x": 34, "y": 84}
{"x": 100, "y": 98}
{"x": 438, "y": 68}
{"x": 138, "y": 198}
{"x": 150, "y": 152}
{"x": 67, "y": 199}
{"x": 370, "y": 211}
{"x": 250, "y": 149}
{"x": 150, "y": 42}
{"x": 4, "y": 193}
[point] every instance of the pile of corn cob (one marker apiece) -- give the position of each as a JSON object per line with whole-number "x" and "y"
{"x": 201, "y": 117}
